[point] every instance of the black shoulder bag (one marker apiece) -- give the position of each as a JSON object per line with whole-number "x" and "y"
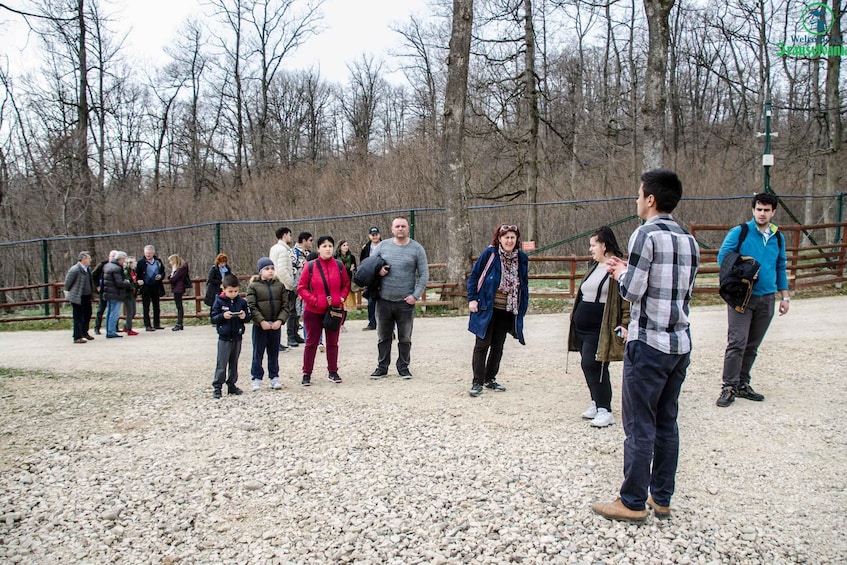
{"x": 334, "y": 315}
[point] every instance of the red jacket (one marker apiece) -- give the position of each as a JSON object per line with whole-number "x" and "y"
{"x": 311, "y": 286}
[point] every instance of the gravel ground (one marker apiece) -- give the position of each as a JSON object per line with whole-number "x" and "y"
{"x": 116, "y": 453}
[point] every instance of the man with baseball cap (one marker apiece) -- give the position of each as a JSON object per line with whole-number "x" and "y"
{"x": 367, "y": 250}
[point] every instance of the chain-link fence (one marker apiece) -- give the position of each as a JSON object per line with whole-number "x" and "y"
{"x": 563, "y": 229}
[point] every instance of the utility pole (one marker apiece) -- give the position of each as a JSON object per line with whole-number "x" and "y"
{"x": 767, "y": 157}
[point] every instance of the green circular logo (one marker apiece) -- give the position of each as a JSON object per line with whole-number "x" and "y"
{"x": 817, "y": 18}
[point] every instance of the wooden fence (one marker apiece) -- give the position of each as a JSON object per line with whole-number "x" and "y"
{"x": 809, "y": 265}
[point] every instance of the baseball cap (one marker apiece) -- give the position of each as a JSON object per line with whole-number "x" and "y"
{"x": 373, "y": 230}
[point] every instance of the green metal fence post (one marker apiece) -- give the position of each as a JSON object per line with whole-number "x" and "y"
{"x": 217, "y": 239}
{"x": 45, "y": 276}
{"x": 412, "y": 224}
{"x": 839, "y": 215}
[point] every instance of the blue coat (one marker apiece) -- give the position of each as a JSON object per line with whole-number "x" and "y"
{"x": 479, "y": 320}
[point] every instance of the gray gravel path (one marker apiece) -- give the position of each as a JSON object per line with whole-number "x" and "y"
{"x": 115, "y": 452}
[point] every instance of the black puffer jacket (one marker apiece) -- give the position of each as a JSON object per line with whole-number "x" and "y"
{"x": 114, "y": 283}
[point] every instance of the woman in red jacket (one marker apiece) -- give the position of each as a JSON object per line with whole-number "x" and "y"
{"x": 323, "y": 283}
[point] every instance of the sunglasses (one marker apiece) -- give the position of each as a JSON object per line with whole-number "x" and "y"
{"x": 504, "y": 229}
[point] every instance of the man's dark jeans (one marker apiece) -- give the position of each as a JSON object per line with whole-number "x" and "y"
{"x": 744, "y": 336}
{"x": 150, "y": 296}
{"x": 82, "y": 317}
{"x": 387, "y": 314}
{"x": 650, "y": 404}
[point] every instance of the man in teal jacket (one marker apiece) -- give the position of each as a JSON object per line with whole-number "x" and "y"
{"x": 762, "y": 241}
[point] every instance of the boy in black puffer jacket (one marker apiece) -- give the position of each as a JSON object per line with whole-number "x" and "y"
{"x": 229, "y": 313}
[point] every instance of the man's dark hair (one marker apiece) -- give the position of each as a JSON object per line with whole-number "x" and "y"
{"x": 665, "y": 187}
{"x": 229, "y": 280}
{"x": 281, "y": 232}
{"x": 304, "y": 235}
{"x": 765, "y": 198}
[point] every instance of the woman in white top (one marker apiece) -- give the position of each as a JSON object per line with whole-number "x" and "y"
{"x": 598, "y": 326}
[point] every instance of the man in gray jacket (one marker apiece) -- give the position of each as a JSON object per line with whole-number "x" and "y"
{"x": 404, "y": 279}
{"x": 78, "y": 290}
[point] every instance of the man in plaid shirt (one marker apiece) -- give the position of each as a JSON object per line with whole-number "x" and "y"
{"x": 657, "y": 280}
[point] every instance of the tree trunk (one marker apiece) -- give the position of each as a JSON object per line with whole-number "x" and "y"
{"x": 834, "y": 161}
{"x": 531, "y": 115}
{"x": 655, "y": 93}
{"x": 453, "y": 177}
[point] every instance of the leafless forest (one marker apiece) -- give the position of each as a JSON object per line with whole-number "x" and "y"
{"x": 564, "y": 100}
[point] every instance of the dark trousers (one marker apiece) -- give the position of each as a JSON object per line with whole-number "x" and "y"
{"x": 226, "y": 369}
{"x": 372, "y": 312}
{"x": 265, "y": 340}
{"x": 150, "y": 296}
{"x": 650, "y": 404}
{"x": 101, "y": 310}
{"x": 491, "y": 345}
{"x": 313, "y": 324}
{"x": 596, "y": 372}
{"x": 293, "y": 324}
{"x": 82, "y": 317}
{"x": 180, "y": 310}
{"x": 744, "y": 336}
{"x": 388, "y": 314}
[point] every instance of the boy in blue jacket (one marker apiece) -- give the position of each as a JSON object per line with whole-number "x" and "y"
{"x": 229, "y": 313}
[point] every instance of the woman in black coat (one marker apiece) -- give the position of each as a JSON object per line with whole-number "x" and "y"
{"x": 215, "y": 278}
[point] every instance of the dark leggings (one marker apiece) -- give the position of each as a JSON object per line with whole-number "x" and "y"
{"x": 491, "y": 346}
{"x": 596, "y": 373}
{"x": 180, "y": 311}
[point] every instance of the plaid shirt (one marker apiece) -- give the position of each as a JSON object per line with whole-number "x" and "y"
{"x": 663, "y": 259}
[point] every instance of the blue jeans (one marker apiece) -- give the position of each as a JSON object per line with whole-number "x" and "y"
{"x": 265, "y": 340}
{"x": 113, "y": 314}
{"x": 650, "y": 404}
{"x": 387, "y": 314}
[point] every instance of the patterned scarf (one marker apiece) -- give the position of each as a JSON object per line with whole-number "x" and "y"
{"x": 509, "y": 283}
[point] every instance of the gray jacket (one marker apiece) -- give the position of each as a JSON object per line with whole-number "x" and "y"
{"x": 78, "y": 284}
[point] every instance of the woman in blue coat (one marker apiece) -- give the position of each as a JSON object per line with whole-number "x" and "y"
{"x": 498, "y": 297}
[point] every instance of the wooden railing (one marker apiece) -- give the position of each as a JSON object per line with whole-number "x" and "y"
{"x": 808, "y": 265}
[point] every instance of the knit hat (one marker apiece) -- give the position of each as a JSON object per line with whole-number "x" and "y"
{"x": 265, "y": 262}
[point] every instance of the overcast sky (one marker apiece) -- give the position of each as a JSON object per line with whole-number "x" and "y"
{"x": 352, "y": 27}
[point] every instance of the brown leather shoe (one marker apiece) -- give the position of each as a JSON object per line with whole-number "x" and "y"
{"x": 617, "y": 511}
{"x": 80, "y": 340}
{"x": 661, "y": 512}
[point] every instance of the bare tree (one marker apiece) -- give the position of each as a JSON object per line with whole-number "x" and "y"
{"x": 453, "y": 174}
{"x": 360, "y": 101}
{"x": 655, "y": 93}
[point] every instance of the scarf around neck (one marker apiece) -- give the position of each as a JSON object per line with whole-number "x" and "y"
{"x": 509, "y": 284}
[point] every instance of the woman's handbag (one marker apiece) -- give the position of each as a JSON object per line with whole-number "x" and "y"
{"x": 334, "y": 315}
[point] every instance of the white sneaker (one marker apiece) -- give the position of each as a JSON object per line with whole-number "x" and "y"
{"x": 604, "y": 418}
{"x": 257, "y": 384}
{"x": 591, "y": 412}
{"x": 275, "y": 384}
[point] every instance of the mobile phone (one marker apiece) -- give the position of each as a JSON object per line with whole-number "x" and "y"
{"x": 235, "y": 312}
{"x": 619, "y": 332}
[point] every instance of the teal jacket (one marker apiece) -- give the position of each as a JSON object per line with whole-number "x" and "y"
{"x": 769, "y": 253}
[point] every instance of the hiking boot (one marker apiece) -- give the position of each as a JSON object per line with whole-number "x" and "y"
{"x": 476, "y": 390}
{"x": 97, "y": 331}
{"x": 617, "y": 511}
{"x": 404, "y": 373}
{"x": 89, "y": 337}
{"x": 299, "y": 339}
{"x": 275, "y": 384}
{"x": 232, "y": 389}
{"x": 216, "y": 394}
{"x": 746, "y": 391}
{"x": 727, "y": 396}
{"x": 293, "y": 343}
{"x": 307, "y": 380}
{"x": 603, "y": 418}
{"x": 591, "y": 412}
{"x": 256, "y": 385}
{"x": 661, "y": 512}
{"x": 495, "y": 386}
{"x": 333, "y": 377}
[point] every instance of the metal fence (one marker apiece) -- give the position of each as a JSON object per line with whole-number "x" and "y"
{"x": 563, "y": 229}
